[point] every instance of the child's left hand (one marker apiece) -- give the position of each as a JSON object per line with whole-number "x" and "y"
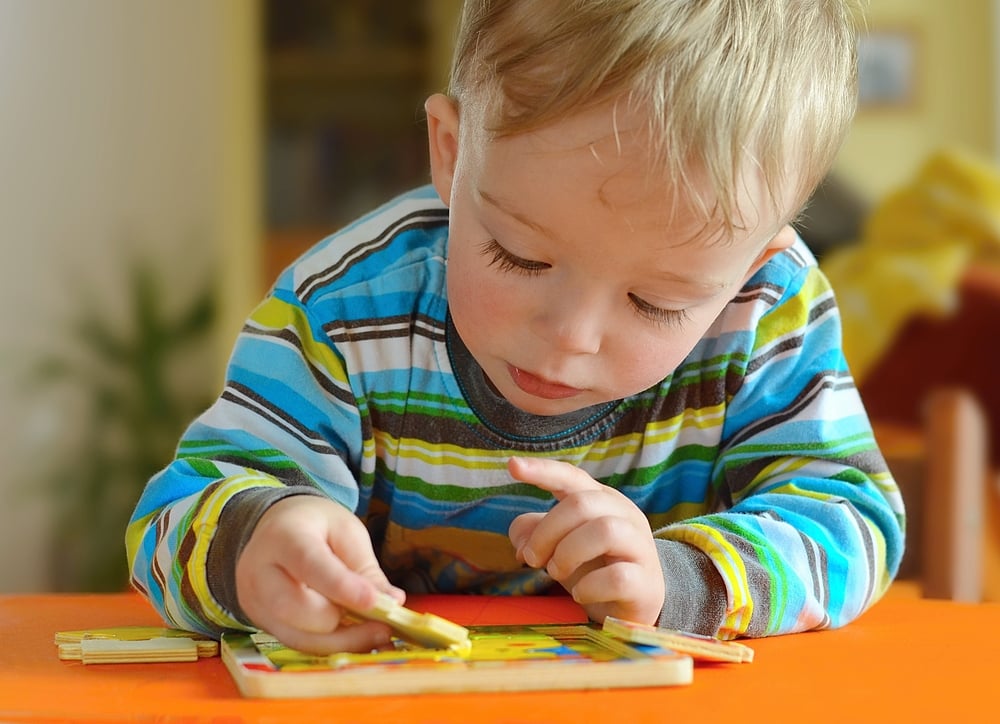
{"x": 595, "y": 542}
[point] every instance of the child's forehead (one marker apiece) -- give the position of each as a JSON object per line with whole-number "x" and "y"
{"x": 649, "y": 219}
{"x": 606, "y": 131}
{"x": 593, "y": 163}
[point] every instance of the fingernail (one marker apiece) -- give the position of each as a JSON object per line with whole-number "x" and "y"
{"x": 529, "y": 556}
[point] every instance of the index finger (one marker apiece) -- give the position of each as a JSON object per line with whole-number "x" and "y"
{"x": 322, "y": 570}
{"x": 557, "y": 477}
{"x": 352, "y": 544}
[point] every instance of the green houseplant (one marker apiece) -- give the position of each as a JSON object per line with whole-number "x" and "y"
{"x": 134, "y": 409}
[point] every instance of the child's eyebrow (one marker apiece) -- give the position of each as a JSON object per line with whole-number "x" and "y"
{"x": 503, "y": 208}
{"x": 708, "y": 284}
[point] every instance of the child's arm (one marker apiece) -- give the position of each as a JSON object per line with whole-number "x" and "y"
{"x": 808, "y": 532}
{"x": 286, "y": 425}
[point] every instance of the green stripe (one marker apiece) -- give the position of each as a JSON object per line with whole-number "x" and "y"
{"x": 459, "y": 494}
{"x": 640, "y": 477}
{"x": 434, "y": 406}
{"x": 204, "y": 468}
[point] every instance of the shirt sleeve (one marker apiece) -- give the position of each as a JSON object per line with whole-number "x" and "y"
{"x": 809, "y": 528}
{"x": 286, "y": 423}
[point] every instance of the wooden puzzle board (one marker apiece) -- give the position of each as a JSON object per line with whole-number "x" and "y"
{"x": 501, "y": 658}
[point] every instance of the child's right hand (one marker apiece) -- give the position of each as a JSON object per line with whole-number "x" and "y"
{"x": 307, "y": 560}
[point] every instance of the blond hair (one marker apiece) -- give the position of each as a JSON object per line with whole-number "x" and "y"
{"x": 724, "y": 84}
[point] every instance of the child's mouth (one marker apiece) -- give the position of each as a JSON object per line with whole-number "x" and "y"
{"x": 539, "y": 387}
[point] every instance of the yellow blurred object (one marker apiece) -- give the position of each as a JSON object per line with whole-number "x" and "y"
{"x": 955, "y": 199}
{"x": 879, "y": 289}
{"x": 915, "y": 247}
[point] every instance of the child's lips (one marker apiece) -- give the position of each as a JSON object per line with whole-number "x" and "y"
{"x": 540, "y": 387}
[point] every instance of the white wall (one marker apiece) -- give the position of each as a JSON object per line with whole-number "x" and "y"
{"x": 125, "y": 125}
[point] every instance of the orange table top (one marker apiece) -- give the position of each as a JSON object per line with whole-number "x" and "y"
{"x": 906, "y": 659}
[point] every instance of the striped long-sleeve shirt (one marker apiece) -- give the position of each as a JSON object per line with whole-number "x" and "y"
{"x": 754, "y": 461}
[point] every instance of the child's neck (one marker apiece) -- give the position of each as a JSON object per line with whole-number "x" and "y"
{"x": 499, "y": 415}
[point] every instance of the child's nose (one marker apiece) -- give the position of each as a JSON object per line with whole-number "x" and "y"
{"x": 574, "y": 324}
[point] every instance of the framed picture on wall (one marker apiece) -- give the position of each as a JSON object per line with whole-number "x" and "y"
{"x": 887, "y": 69}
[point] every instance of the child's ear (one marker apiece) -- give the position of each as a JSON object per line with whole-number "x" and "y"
{"x": 781, "y": 241}
{"x": 442, "y": 137}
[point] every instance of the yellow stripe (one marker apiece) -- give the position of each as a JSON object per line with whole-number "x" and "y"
{"x": 133, "y": 538}
{"x": 792, "y": 489}
{"x": 789, "y": 465}
{"x": 777, "y": 470}
{"x": 276, "y": 314}
{"x": 660, "y": 432}
{"x": 204, "y": 526}
{"x": 615, "y": 447}
{"x": 730, "y": 564}
{"x": 793, "y": 316}
{"x": 478, "y": 458}
{"x": 882, "y": 585}
{"x": 408, "y": 448}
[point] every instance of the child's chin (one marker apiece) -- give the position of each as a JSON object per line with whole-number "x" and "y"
{"x": 545, "y": 408}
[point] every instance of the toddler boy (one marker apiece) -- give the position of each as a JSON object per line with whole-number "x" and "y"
{"x": 592, "y": 356}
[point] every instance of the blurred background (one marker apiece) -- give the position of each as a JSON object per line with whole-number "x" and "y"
{"x": 162, "y": 160}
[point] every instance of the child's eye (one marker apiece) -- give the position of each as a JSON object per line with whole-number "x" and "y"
{"x": 656, "y": 314}
{"x": 507, "y": 262}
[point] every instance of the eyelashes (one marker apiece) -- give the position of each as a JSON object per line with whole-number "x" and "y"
{"x": 507, "y": 262}
{"x": 658, "y": 315}
{"x": 504, "y": 261}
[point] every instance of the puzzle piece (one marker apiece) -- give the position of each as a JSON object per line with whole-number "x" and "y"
{"x": 423, "y": 629}
{"x": 133, "y": 644}
{"x": 699, "y": 647}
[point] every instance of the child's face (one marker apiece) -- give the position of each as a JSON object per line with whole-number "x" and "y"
{"x": 572, "y": 278}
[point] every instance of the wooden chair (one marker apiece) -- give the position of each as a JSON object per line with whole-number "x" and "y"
{"x": 952, "y": 496}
